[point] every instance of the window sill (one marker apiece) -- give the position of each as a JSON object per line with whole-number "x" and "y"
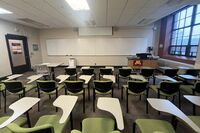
{"x": 183, "y": 59}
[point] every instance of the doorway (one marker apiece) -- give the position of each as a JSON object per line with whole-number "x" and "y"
{"x": 18, "y": 53}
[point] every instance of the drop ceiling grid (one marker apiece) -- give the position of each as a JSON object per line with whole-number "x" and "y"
{"x": 54, "y": 16}
{"x": 18, "y": 6}
{"x": 76, "y": 17}
{"x": 115, "y": 10}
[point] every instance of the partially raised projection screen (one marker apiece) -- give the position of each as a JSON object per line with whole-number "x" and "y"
{"x": 96, "y": 46}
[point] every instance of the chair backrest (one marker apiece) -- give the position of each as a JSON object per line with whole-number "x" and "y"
{"x": 74, "y": 86}
{"x": 13, "y": 86}
{"x": 193, "y": 72}
{"x": 105, "y": 71}
{"x": 125, "y": 72}
{"x": 46, "y": 128}
{"x": 98, "y": 125}
{"x": 171, "y": 72}
{"x": 42, "y": 69}
{"x": 197, "y": 87}
{"x": 169, "y": 87}
{"x": 89, "y": 71}
{"x": 137, "y": 86}
{"x": 103, "y": 86}
{"x": 46, "y": 85}
{"x": 70, "y": 71}
{"x": 147, "y": 72}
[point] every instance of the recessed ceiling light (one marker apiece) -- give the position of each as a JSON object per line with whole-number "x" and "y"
{"x": 78, "y": 4}
{"x": 4, "y": 11}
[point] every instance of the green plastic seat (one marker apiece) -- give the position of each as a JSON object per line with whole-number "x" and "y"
{"x": 48, "y": 87}
{"x": 75, "y": 88}
{"x": 136, "y": 88}
{"x": 167, "y": 89}
{"x": 102, "y": 87}
{"x": 97, "y": 125}
{"x": 15, "y": 87}
{"x": 124, "y": 73}
{"x": 45, "y": 124}
{"x": 191, "y": 89}
{"x": 19, "y": 121}
{"x": 153, "y": 126}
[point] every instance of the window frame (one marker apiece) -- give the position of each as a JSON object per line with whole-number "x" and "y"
{"x": 192, "y": 25}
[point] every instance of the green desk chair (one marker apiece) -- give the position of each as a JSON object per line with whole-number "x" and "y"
{"x": 136, "y": 88}
{"x": 45, "y": 124}
{"x": 102, "y": 87}
{"x": 153, "y": 126}
{"x": 105, "y": 71}
{"x": 16, "y": 87}
{"x": 48, "y": 87}
{"x": 97, "y": 125}
{"x": 193, "y": 72}
{"x": 168, "y": 89}
{"x": 171, "y": 72}
{"x": 89, "y": 71}
{"x": 75, "y": 88}
{"x": 19, "y": 121}
{"x": 147, "y": 73}
{"x": 72, "y": 72}
{"x": 191, "y": 89}
{"x": 2, "y": 91}
{"x": 124, "y": 73}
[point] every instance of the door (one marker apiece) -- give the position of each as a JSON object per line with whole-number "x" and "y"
{"x": 18, "y": 53}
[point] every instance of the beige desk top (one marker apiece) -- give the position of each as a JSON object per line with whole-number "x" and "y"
{"x": 164, "y": 77}
{"x": 167, "y": 107}
{"x": 193, "y": 99}
{"x": 66, "y": 103}
{"x": 33, "y": 78}
{"x": 138, "y": 77}
{"x": 112, "y": 105}
{"x": 20, "y": 107}
{"x": 14, "y": 76}
{"x": 188, "y": 77}
{"x": 110, "y": 77}
{"x": 86, "y": 78}
{"x": 62, "y": 78}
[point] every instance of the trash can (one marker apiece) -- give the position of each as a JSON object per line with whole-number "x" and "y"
{"x": 72, "y": 62}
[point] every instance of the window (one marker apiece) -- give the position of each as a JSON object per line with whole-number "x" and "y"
{"x": 185, "y": 32}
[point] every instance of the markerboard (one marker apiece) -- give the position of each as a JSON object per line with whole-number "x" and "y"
{"x": 96, "y": 46}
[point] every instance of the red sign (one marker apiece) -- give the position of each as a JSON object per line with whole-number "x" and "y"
{"x": 137, "y": 63}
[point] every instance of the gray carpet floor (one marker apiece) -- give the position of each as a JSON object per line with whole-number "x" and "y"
{"x": 136, "y": 107}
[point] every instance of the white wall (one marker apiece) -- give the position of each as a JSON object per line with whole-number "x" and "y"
{"x": 33, "y": 38}
{"x": 146, "y": 32}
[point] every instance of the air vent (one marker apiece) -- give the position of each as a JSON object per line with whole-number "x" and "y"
{"x": 145, "y": 21}
{"x": 30, "y": 21}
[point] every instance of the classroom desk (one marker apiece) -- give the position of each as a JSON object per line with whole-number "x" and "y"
{"x": 52, "y": 66}
{"x": 66, "y": 103}
{"x": 112, "y": 105}
{"x": 33, "y": 78}
{"x": 167, "y": 107}
{"x": 164, "y": 77}
{"x": 85, "y": 68}
{"x": 14, "y": 76}
{"x": 87, "y": 79}
{"x": 110, "y": 68}
{"x": 183, "y": 67}
{"x": 110, "y": 77}
{"x": 162, "y": 69}
{"x": 195, "y": 100}
{"x": 138, "y": 77}
{"x": 62, "y": 78}
{"x": 20, "y": 107}
{"x": 187, "y": 77}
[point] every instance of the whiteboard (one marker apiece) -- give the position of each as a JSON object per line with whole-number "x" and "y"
{"x": 96, "y": 46}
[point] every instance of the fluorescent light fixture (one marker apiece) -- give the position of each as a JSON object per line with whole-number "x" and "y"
{"x": 4, "y": 11}
{"x": 78, "y": 4}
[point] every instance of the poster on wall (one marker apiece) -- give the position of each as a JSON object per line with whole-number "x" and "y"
{"x": 17, "y": 52}
{"x": 16, "y": 48}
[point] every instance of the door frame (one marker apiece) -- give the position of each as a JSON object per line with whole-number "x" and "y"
{"x": 26, "y": 52}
